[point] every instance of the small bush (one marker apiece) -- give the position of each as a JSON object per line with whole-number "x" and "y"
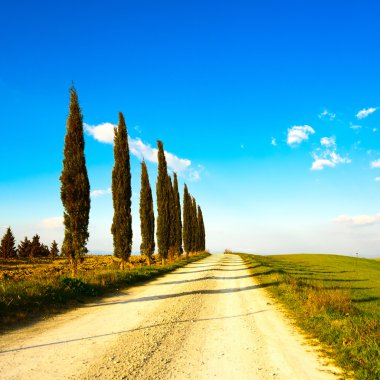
{"x": 77, "y": 286}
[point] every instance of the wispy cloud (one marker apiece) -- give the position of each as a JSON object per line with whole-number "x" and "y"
{"x": 299, "y": 133}
{"x": 137, "y": 128}
{"x": 358, "y": 220}
{"x": 326, "y": 115}
{"x": 377, "y": 179}
{"x": 100, "y": 192}
{"x": 54, "y": 222}
{"x": 375, "y": 164}
{"x": 355, "y": 126}
{"x": 328, "y": 141}
{"x": 273, "y": 141}
{"x": 366, "y": 112}
{"x": 327, "y": 157}
{"x": 105, "y": 133}
{"x": 331, "y": 159}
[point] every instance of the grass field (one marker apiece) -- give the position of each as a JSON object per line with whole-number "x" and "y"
{"x": 333, "y": 298}
{"x": 43, "y": 286}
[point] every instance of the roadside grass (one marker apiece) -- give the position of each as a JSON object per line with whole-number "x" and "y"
{"x": 43, "y": 291}
{"x": 333, "y": 298}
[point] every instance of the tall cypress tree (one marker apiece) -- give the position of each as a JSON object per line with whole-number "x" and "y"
{"x": 7, "y": 245}
{"x": 186, "y": 229}
{"x": 121, "y": 195}
{"x": 163, "y": 199}
{"x": 177, "y": 217}
{"x": 194, "y": 226}
{"x": 146, "y": 215}
{"x": 201, "y": 231}
{"x": 75, "y": 187}
{"x": 172, "y": 223}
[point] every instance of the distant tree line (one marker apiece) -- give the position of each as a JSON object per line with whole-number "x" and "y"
{"x": 176, "y": 232}
{"x": 26, "y": 248}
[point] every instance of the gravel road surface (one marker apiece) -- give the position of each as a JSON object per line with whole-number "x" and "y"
{"x": 208, "y": 320}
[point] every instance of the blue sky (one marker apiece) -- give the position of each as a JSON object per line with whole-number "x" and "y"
{"x": 269, "y": 110}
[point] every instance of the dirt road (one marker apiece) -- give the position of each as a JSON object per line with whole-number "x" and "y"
{"x": 209, "y": 320}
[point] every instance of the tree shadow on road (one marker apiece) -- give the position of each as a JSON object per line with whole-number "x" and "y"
{"x": 194, "y": 320}
{"x": 243, "y": 267}
{"x": 207, "y": 278}
{"x": 182, "y": 294}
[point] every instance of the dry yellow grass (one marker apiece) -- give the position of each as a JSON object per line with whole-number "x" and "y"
{"x": 25, "y": 269}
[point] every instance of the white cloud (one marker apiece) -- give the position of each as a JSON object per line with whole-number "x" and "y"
{"x": 328, "y": 157}
{"x": 54, "y": 222}
{"x": 273, "y": 141}
{"x": 298, "y": 133}
{"x": 141, "y": 150}
{"x": 320, "y": 163}
{"x": 377, "y": 179}
{"x": 365, "y": 112}
{"x": 355, "y": 126}
{"x": 375, "y": 164}
{"x": 374, "y": 129}
{"x": 327, "y": 115}
{"x": 358, "y": 220}
{"x": 331, "y": 160}
{"x": 176, "y": 163}
{"x": 100, "y": 192}
{"x": 328, "y": 141}
{"x": 102, "y": 132}
{"x": 105, "y": 133}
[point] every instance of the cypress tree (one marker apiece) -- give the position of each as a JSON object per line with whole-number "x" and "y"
{"x": 194, "y": 226}
{"x": 75, "y": 187}
{"x": 177, "y": 217}
{"x": 54, "y": 249}
{"x": 121, "y": 195}
{"x": 146, "y": 215}
{"x": 163, "y": 199}
{"x": 172, "y": 224}
{"x": 201, "y": 231}
{"x": 7, "y": 245}
{"x": 186, "y": 229}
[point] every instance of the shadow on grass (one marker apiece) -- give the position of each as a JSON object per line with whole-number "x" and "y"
{"x": 367, "y": 299}
{"x": 330, "y": 279}
{"x": 131, "y": 330}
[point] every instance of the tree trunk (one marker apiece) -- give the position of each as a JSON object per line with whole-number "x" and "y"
{"x": 163, "y": 261}
{"x": 148, "y": 260}
{"x": 122, "y": 264}
{"x": 74, "y": 266}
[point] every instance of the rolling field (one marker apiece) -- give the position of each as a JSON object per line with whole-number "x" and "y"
{"x": 333, "y": 298}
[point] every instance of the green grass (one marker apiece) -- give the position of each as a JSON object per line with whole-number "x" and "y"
{"x": 39, "y": 296}
{"x": 333, "y": 298}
